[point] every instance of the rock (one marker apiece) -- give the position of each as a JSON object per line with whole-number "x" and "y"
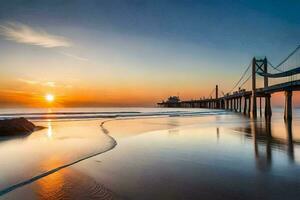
{"x": 16, "y": 127}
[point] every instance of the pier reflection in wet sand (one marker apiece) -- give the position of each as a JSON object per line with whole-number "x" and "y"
{"x": 264, "y": 142}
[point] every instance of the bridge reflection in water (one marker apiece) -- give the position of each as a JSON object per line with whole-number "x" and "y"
{"x": 265, "y": 143}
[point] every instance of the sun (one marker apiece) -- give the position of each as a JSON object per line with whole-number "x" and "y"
{"x": 49, "y": 98}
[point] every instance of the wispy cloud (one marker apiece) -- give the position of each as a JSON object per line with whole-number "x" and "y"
{"x": 22, "y": 33}
{"x": 35, "y": 82}
{"x": 74, "y": 56}
{"x": 31, "y": 82}
{"x": 42, "y": 83}
{"x": 50, "y": 84}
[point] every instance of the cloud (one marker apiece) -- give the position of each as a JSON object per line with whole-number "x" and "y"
{"x": 44, "y": 83}
{"x": 31, "y": 82}
{"x": 74, "y": 56}
{"x": 50, "y": 84}
{"x": 35, "y": 82}
{"x": 22, "y": 33}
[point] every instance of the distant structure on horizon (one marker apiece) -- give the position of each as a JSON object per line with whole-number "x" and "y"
{"x": 172, "y": 101}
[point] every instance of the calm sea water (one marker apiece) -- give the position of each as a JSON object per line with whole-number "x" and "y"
{"x": 151, "y": 153}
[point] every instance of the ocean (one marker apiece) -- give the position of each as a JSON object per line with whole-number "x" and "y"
{"x": 151, "y": 153}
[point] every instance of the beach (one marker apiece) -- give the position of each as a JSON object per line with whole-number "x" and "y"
{"x": 183, "y": 154}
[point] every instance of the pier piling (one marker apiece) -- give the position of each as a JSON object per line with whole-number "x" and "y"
{"x": 288, "y": 106}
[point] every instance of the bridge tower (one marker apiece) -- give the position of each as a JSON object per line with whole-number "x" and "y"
{"x": 261, "y": 64}
{"x": 216, "y": 101}
{"x": 268, "y": 110}
{"x": 254, "y": 104}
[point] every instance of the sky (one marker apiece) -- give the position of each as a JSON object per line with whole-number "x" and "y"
{"x": 135, "y": 52}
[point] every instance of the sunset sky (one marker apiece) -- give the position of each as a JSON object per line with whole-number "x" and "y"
{"x": 135, "y": 53}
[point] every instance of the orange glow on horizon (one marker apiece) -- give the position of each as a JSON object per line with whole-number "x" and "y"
{"x": 82, "y": 94}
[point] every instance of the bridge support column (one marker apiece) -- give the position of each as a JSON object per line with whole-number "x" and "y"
{"x": 260, "y": 109}
{"x": 231, "y": 108}
{"x": 254, "y": 105}
{"x": 288, "y": 106}
{"x": 268, "y": 109}
{"x": 249, "y": 105}
{"x": 227, "y": 104}
{"x": 235, "y": 104}
{"x": 245, "y": 105}
{"x": 240, "y": 104}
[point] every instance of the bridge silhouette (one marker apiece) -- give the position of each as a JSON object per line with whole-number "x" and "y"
{"x": 280, "y": 78}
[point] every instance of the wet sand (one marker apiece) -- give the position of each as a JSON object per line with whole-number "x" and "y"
{"x": 30, "y": 158}
{"x": 205, "y": 157}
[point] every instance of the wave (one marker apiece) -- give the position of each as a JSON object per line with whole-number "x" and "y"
{"x": 98, "y": 115}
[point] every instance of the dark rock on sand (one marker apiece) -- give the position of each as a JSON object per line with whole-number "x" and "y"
{"x": 16, "y": 127}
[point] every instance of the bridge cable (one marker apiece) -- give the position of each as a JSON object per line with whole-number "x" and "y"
{"x": 284, "y": 60}
{"x": 248, "y": 79}
{"x": 211, "y": 92}
{"x": 274, "y": 67}
{"x": 241, "y": 78}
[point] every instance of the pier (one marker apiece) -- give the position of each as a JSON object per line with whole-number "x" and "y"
{"x": 245, "y": 101}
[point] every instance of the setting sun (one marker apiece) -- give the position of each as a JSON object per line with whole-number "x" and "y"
{"x": 49, "y": 97}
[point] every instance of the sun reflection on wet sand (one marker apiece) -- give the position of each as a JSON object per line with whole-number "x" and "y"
{"x": 51, "y": 187}
{"x": 49, "y": 132}
{"x": 68, "y": 184}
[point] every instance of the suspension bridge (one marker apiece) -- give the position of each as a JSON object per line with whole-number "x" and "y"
{"x": 258, "y": 82}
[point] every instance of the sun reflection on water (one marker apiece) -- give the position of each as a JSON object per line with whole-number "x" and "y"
{"x": 49, "y": 132}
